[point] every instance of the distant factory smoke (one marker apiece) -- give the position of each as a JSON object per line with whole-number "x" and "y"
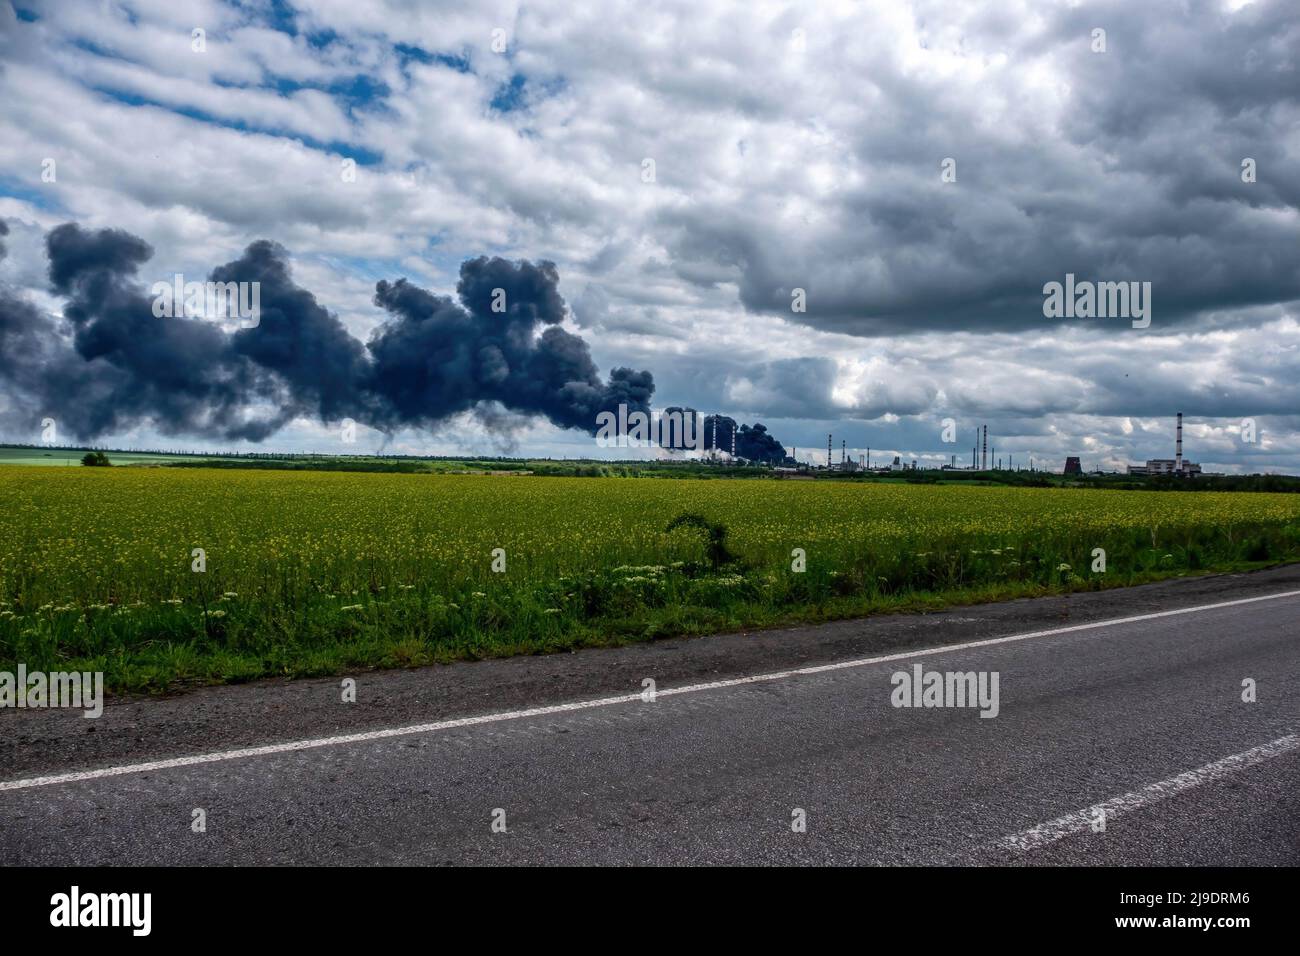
{"x": 117, "y": 364}
{"x": 755, "y": 444}
{"x": 722, "y": 433}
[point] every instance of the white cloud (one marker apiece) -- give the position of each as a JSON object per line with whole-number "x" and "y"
{"x": 774, "y": 169}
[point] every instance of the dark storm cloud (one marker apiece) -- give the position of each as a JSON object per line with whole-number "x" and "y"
{"x": 1122, "y": 165}
{"x": 120, "y": 365}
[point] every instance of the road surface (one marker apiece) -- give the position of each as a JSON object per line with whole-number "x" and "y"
{"x": 1138, "y": 712}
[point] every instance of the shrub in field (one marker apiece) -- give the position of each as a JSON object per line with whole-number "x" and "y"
{"x": 715, "y": 537}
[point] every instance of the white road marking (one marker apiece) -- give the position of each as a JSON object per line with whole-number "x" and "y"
{"x": 1081, "y": 821}
{"x": 315, "y": 742}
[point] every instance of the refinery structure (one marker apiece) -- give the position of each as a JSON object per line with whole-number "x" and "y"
{"x": 721, "y": 435}
{"x": 983, "y": 457}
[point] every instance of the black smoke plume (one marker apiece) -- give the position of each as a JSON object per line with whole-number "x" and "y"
{"x": 755, "y": 444}
{"x": 718, "y": 430}
{"x": 111, "y": 364}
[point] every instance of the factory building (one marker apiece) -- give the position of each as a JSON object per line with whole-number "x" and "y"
{"x": 1169, "y": 466}
{"x": 1165, "y": 466}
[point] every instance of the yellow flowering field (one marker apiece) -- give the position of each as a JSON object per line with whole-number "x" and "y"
{"x": 304, "y": 572}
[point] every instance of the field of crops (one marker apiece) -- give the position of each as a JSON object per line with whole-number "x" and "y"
{"x": 314, "y": 573}
{"x": 71, "y": 457}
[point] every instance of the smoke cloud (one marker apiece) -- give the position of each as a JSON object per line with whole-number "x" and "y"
{"x": 753, "y": 443}
{"x": 112, "y": 364}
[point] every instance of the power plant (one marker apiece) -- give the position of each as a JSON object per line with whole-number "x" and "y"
{"x": 1177, "y": 465}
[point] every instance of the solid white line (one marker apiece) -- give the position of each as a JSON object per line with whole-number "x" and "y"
{"x": 315, "y": 742}
{"x": 1082, "y": 821}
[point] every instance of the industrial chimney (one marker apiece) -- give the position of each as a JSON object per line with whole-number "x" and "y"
{"x": 1178, "y": 447}
{"x": 984, "y": 452}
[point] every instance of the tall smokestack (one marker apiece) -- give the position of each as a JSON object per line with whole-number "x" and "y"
{"x": 733, "y": 441}
{"x": 844, "y": 451}
{"x": 984, "y": 452}
{"x": 1178, "y": 447}
{"x": 828, "y": 450}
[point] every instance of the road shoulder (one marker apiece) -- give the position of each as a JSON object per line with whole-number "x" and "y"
{"x": 218, "y": 718}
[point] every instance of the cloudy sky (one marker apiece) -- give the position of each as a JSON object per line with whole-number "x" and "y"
{"x": 919, "y": 170}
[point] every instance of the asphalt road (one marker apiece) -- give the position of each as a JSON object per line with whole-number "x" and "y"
{"x": 1144, "y": 718}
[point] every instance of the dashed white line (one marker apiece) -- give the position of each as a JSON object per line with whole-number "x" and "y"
{"x": 315, "y": 742}
{"x": 1082, "y": 821}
